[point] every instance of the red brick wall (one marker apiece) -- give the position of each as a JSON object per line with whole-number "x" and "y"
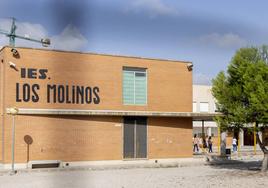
{"x": 80, "y": 138}
{"x": 170, "y": 137}
{"x": 169, "y": 82}
{"x": 66, "y": 138}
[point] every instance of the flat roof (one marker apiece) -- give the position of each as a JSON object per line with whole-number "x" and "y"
{"x": 196, "y": 116}
{"x": 92, "y": 53}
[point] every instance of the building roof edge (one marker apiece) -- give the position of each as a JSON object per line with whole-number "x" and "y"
{"x": 100, "y": 54}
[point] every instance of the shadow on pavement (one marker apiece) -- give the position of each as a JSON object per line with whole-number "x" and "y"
{"x": 225, "y": 163}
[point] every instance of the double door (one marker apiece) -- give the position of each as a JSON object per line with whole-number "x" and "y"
{"x": 135, "y": 137}
{"x": 248, "y": 137}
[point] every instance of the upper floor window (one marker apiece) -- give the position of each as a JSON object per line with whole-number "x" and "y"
{"x": 134, "y": 86}
{"x": 203, "y": 107}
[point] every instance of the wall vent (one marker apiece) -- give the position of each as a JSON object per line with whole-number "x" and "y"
{"x": 44, "y": 164}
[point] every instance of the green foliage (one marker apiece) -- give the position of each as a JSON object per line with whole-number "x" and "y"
{"x": 242, "y": 93}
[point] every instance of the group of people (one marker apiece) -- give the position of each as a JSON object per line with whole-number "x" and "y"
{"x": 199, "y": 142}
{"x": 202, "y": 143}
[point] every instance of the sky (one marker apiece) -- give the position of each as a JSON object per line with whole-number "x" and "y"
{"x": 206, "y": 32}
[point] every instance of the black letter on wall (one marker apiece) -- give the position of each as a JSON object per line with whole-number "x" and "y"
{"x": 96, "y": 90}
{"x": 43, "y": 74}
{"x": 53, "y": 87}
{"x": 26, "y": 89}
{"x": 18, "y": 92}
{"x": 61, "y": 94}
{"x": 35, "y": 97}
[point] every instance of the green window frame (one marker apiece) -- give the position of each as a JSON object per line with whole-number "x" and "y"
{"x": 134, "y": 86}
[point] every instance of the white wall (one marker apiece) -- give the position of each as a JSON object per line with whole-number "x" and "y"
{"x": 203, "y": 101}
{"x": 202, "y": 94}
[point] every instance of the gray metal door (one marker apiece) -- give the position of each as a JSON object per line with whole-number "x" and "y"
{"x": 135, "y": 137}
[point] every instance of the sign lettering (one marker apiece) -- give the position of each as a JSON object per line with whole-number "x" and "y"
{"x": 56, "y": 93}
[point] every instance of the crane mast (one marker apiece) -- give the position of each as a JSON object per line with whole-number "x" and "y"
{"x": 12, "y": 36}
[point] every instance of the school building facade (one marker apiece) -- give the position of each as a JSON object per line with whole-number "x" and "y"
{"x": 75, "y": 107}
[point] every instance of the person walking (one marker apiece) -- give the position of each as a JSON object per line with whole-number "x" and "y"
{"x": 234, "y": 144}
{"x": 195, "y": 142}
{"x": 209, "y": 144}
{"x": 206, "y": 143}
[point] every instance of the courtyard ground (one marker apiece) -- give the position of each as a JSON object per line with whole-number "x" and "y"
{"x": 243, "y": 174}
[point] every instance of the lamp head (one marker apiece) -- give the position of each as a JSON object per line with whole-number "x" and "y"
{"x": 45, "y": 42}
{"x": 13, "y": 111}
{"x": 190, "y": 66}
{"x": 14, "y": 52}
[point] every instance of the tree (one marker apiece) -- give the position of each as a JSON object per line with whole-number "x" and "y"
{"x": 242, "y": 93}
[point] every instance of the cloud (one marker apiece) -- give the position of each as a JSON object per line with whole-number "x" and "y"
{"x": 153, "y": 7}
{"x": 69, "y": 39}
{"x": 228, "y": 40}
{"x": 201, "y": 79}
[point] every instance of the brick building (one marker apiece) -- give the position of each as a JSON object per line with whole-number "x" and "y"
{"x": 75, "y": 107}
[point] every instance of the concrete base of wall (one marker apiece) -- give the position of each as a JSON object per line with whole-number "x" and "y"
{"x": 16, "y": 166}
{"x": 119, "y": 163}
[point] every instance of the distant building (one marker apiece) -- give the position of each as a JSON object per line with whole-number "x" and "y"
{"x": 203, "y": 101}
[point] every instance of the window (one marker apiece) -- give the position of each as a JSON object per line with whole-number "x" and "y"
{"x": 134, "y": 86}
{"x": 203, "y": 106}
{"x": 214, "y": 131}
{"x": 215, "y": 107}
{"x": 194, "y": 106}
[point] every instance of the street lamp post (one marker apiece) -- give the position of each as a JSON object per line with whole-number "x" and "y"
{"x": 13, "y": 111}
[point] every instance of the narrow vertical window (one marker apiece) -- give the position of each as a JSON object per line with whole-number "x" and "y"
{"x": 194, "y": 107}
{"x": 134, "y": 86}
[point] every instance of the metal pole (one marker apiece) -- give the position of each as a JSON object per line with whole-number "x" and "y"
{"x": 255, "y": 139}
{"x": 239, "y": 143}
{"x": 219, "y": 139}
{"x": 203, "y": 136}
{"x": 203, "y": 130}
{"x": 13, "y": 145}
{"x": 135, "y": 139}
{"x": 12, "y": 34}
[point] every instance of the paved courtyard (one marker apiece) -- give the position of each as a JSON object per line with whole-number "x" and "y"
{"x": 192, "y": 176}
